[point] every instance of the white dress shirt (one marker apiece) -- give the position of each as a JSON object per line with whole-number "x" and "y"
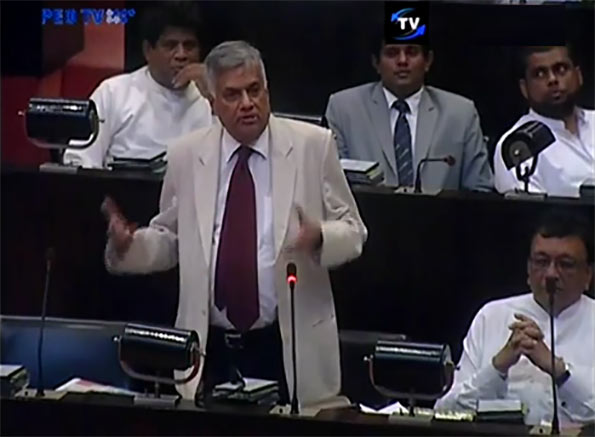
{"x": 476, "y": 377}
{"x": 141, "y": 117}
{"x": 413, "y": 102}
{"x": 260, "y": 168}
{"x": 563, "y": 166}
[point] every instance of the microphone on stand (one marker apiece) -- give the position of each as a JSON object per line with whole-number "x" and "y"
{"x": 550, "y": 286}
{"x": 49, "y": 260}
{"x": 449, "y": 159}
{"x": 291, "y": 281}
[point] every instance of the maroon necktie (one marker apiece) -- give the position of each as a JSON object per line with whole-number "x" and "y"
{"x": 236, "y": 273}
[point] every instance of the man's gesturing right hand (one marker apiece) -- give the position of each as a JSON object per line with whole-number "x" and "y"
{"x": 119, "y": 230}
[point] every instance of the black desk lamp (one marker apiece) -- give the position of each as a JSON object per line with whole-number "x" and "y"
{"x": 416, "y": 371}
{"x": 525, "y": 142}
{"x": 160, "y": 350}
{"x": 54, "y": 123}
{"x": 59, "y": 124}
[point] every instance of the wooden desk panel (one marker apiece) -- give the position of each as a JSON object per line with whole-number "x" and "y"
{"x": 428, "y": 265}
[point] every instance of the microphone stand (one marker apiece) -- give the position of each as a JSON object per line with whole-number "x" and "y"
{"x": 551, "y": 290}
{"x": 417, "y": 185}
{"x": 40, "y": 391}
{"x": 294, "y": 400}
{"x": 48, "y": 271}
{"x": 525, "y": 176}
{"x": 448, "y": 160}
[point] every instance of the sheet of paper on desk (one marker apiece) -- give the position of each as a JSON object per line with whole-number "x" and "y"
{"x": 79, "y": 385}
{"x": 397, "y": 407}
{"x": 252, "y": 384}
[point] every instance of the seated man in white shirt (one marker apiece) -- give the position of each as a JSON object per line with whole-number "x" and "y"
{"x": 506, "y": 354}
{"x": 550, "y": 82}
{"x": 145, "y": 110}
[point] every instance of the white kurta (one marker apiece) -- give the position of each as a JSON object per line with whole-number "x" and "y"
{"x": 141, "y": 118}
{"x": 476, "y": 378}
{"x": 563, "y": 166}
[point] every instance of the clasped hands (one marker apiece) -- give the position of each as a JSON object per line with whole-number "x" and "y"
{"x": 526, "y": 339}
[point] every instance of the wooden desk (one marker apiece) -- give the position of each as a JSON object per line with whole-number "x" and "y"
{"x": 83, "y": 414}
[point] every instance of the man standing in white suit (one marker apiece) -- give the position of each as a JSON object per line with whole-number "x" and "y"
{"x": 240, "y": 200}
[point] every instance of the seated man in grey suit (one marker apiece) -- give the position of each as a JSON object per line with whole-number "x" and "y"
{"x": 399, "y": 121}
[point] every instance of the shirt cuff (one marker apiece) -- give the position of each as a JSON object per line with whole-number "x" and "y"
{"x": 491, "y": 383}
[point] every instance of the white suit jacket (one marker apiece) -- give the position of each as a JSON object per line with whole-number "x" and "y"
{"x": 306, "y": 172}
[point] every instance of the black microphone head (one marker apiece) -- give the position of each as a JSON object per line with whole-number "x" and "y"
{"x": 526, "y": 141}
{"x": 50, "y": 254}
{"x": 450, "y": 160}
{"x": 291, "y": 269}
{"x": 551, "y": 284}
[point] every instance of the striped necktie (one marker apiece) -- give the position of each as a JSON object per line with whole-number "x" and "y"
{"x": 402, "y": 143}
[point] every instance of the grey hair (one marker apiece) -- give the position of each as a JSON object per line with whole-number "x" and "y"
{"x": 229, "y": 55}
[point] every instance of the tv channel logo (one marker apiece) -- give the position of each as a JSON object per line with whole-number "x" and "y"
{"x": 406, "y": 22}
{"x": 70, "y": 17}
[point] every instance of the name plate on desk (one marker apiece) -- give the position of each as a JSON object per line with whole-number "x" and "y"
{"x": 52, "y": 167}
{"x": 500, "y": 410}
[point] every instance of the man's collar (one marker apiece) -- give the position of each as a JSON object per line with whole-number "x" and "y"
{"x": 557, "y": 124}
{"x": 412, "y": 100}
{"x": 230, "y": 144}
{"x": 569, "y": 311}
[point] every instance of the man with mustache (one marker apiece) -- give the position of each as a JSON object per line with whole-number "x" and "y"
{"x": 550, "y": 81}
{"x": 399, "y": 121}
{"x": 144, "y": 110}
{"x": 240, "y": 200}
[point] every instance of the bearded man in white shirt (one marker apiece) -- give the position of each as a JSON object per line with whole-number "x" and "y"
{"x": 506, "y": 353}
{"x": 145, "y": 110}
{"x": 550, "y": 82}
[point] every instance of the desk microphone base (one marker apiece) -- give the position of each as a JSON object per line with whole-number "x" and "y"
{"x": 422, "y": 416}
{"x": 311, "y": 410}
{"x": 524, "y": 195}
{"x": 163, "y": 401}
{"x": 52, "y": 167}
